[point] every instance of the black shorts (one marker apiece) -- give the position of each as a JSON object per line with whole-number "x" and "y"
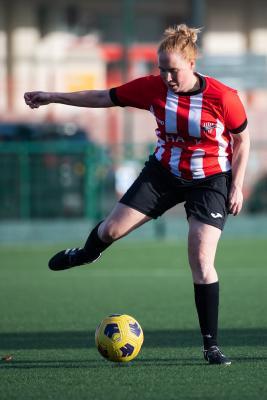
{"x": 156, "y": 190}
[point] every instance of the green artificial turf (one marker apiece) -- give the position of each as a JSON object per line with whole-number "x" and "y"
{"x": 48, "y": 320}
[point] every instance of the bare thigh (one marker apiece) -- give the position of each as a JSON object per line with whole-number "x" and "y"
{"x": 121, "y": 221}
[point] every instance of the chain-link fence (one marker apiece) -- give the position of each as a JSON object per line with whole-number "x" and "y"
{"x": 64, "y": 179}
{"x": 68, "y": 180}
{"x": 52, "y": 180}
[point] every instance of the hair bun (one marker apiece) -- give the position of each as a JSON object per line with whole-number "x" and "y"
{"x": 183, "y": 31}
{"x": 181, "y": 39}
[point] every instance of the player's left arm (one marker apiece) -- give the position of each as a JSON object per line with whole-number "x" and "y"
{"x": 241, "y": 144}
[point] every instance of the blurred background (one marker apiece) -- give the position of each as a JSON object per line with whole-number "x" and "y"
{"x": 62, "y": 168}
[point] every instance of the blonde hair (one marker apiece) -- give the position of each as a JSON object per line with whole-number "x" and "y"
{"x": 180, "y": 38}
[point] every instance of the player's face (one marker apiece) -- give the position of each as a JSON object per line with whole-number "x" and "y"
{"x": 177, "y": 72}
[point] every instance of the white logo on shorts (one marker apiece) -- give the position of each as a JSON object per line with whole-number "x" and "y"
{"x": 217, "y": 215}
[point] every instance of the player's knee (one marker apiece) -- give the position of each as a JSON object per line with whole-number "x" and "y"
{"x": 202, "y": 268}
{"x": 109, "y": 232}
{"x": 203, "y": 271}
{"x": 202, "y": 275}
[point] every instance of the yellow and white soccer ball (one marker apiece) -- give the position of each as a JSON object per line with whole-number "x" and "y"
{"x": 119, "y": 338}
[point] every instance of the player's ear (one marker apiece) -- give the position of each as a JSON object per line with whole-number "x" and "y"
{"x": 192, "y": 64}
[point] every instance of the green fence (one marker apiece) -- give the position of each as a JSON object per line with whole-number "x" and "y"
{"x": 53, "y": 180}
{"x": 42, "y": 180}
{"x": 73, "y": 179}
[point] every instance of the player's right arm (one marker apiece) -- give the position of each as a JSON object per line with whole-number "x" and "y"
{"x": 85, "y": 98}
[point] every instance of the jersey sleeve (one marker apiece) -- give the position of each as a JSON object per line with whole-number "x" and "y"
{"x": 234, "y": 113}
{"x": 136, "y": 93}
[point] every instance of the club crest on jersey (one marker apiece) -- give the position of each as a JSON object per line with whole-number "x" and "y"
{"x": 208, "y": 126}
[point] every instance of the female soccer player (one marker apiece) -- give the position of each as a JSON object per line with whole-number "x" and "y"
{"x": 200, "y": 159}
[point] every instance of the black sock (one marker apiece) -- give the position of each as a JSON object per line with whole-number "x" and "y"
{"x": 207, "y": 304}
{"x": 94, "y": 245}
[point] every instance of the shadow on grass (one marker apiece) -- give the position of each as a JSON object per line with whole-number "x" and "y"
{"x": 103, "y": 364}
{"x": 100, "y": 363}
{"x": 153, "y": 339}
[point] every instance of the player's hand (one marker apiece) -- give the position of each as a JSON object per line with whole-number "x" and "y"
{"x": 235, "y": 201}
{"x": 37, "y": 99}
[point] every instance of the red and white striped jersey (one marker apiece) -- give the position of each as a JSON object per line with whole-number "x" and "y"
{"x": 193, "y": 128}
